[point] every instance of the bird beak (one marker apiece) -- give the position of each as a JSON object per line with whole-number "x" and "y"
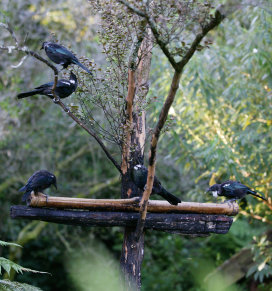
{"x": 208, "y": 190}
{"x": 41, "y": 48}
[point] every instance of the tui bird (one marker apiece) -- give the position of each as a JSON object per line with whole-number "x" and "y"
{"x": 61, "y": 55}
{"x": 139, "y": 177}
{"x": 233, "y": 190}
{"x": 63, "y": 89}
{"x": 38, "y": 182}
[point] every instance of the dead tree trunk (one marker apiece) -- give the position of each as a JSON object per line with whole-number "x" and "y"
{"x": 132, "y": 251}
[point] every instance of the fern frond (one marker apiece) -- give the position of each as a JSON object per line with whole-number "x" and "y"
{"x": 6, "y": 285}
{"x": 7, "y": 265}
{"x": 4, "y": 244}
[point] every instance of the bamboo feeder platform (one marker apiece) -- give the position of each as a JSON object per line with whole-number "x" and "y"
{"x": 191, "y": 218}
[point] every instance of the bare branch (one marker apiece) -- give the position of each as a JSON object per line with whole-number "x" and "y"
{"x": 132, "y": 8}
{"x": 20, "y": 63}
{"x": 160, "y": 42}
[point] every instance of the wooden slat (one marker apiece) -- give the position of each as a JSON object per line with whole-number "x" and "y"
{"x": 182, "y": 223}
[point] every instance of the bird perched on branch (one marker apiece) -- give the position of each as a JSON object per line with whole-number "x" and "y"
{"x": 139, "y": 177}
{"x": 61, "y": 55}
{"x": 233, "y": 190}
{"x": 63, "y": 89}
{"x": 38, "y": 182}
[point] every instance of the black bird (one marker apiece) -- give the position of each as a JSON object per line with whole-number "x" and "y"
{"x": 38, "y": 182}
{"x": 139, "y": 177}
{"x": 61, "y": 55}
{"x": 233, "y": 190}
{"x": 63, "y": 89}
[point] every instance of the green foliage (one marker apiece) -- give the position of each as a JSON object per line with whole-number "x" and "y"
{"x": 6, "y": 285}
{"x": 4, "y": 243}
{"x": 7, "y": 265}
{"x": 219, "y": 128}
{"x": 262, "y": 256}
{"x": 93, "y": 268}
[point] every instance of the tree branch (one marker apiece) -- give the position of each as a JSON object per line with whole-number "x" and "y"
{"x": 156, "y": 34}
{"x": 212, "y": 24}
{"x": 130, "y": 97}
{"x": 129, "y": 121}
{"x": 160, "y": 42}
{"x": 132, "y": 8}
{"x": 163, "y": 116}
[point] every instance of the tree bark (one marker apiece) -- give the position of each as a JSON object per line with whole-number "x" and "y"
{"x": 132, "y": 251}
{"x": 181, "y": 223}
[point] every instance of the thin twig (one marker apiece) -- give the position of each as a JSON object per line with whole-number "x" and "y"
{"x": 66, "y": 109}
{"x": 255, "y": 216}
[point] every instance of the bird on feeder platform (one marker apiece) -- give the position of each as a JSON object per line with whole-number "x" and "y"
{"x": 233, "y": 190}
{"x": 38, "y": 182}
{"x": 63, "y": 89}
{"x": 61, "y": 55}
{"x": 139, "y": 177}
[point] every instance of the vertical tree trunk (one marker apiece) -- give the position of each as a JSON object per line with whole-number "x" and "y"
{"x": 132, "y": 251}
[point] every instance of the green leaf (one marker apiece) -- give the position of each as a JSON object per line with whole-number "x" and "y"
{"x": 4, "y": 243}
{"x": 7, "y": 265}
{"x": 6, "y": 285}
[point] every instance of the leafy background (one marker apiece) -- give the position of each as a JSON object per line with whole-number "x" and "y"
{"x": 220, "y": 128}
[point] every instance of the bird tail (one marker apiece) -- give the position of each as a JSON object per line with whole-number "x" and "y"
{"x": 27, "y": 94}
{"x": 172, "y": 199}
{"x": 255, "y": 194}
{"x": 26, "y": 195}
{"x": 84, "y": 68}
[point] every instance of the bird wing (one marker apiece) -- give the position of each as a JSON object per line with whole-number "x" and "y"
{"x": 64, "y": 52}
{"x": 38, "y": 181}
{"x": 60, "y": 83}
{"x": 231, "y": 188}
{"x": 46, "y": 85}
{"x": 63, "y": 83}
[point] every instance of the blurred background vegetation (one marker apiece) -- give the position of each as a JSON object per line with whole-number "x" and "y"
{"x": 220, "y": 128}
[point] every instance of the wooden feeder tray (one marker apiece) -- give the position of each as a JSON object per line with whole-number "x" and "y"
{"x": 187, "y": 218}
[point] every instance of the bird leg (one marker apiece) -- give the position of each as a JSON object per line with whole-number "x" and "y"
{"x": 46, "y": 197}
{"x": 56, "y": 100}
{"x": 230, "y": 200}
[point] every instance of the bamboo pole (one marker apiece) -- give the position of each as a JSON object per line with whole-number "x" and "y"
{"x": 132, "y": 205}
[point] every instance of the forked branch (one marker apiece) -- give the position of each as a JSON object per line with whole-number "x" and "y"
{"x": 164, "y": 113}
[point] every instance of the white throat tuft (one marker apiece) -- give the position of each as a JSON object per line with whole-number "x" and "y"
{"x": 215, "y": 193}
{"x": 137, "y": 167}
